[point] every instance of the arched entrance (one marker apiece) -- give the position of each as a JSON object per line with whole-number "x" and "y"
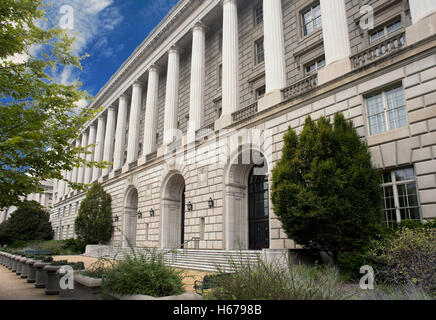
{"x": 247, "y": 202}
{"x": 173, "y": 212}
{"x": 130, "y": 218}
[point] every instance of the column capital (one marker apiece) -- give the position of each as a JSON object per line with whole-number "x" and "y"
{"x": 124, "y": 96}
{"x": 137, "y": 83}
{"x": 154, "y": 68}
{"x": 199, "y": 26}
{"x": 224, "y": 2}
{"x": 175, "y": 49}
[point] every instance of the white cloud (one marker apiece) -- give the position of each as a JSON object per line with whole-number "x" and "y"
{"x": 93, "y": 21}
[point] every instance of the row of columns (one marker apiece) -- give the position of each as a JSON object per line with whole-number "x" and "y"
{"x": 109, "y": 134}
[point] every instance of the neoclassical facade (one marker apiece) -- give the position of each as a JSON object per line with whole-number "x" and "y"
{"x": 193, "y": 121}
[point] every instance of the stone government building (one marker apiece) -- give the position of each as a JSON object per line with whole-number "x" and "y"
{"x": 228, "y": 78}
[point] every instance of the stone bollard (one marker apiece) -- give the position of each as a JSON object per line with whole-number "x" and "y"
{"x": 19, "y": 266}
{"x": 24, "y": 268}
{"x": 9, "y": 261}
{"x": 14, "y": 264}
{"x": 52, "y": 284}
{"x": 41, "y": 277}
{"x": 31, "y": 275}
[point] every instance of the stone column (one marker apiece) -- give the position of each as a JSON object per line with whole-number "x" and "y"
{"x": 75, "y": 169}
{"x": 421, "y": 8}
{"x": 172, "y": 94}
{"x": 90, "y": 156}
{"x": 135, "y": 112}
{"x": 68, "y": 188}
{"x": 423, "y": 14}
{"x": 151, "y": 112}
{"x": 336, "y": 40}
{"x": 274, "y": 45}
{"x": 198, "y": 67}
{"x": 99, "y": 147}
{"x": 230, "y": 57}
{"x": 120, "y": 135}
{"x": 81, "y": 174}
{"x": 109, "y": 139}
{"x": 43, "y": 199}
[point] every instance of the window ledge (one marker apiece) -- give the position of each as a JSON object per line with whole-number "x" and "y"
{"x": 388, "y": 136}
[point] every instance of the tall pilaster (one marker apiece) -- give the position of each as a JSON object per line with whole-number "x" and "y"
{"x": 135, "y": 111}
{"x": 120, "y": 134}
{"x": 230, "y": 83}
{"x": 81, "y": 173}
{"x": 274, "y": 44}
{"x": 151, "y": 112}
{"x": 172, "y": 94}
{"x": 109, "y": 139}
{"x": 198, "y": 67}
{"x": 75, "y": 169}
{"x": 90, "y": 156}
{"x": 336, "y": 40}
{"x": 99, "y": 147}
{"x": 69, "y": 176}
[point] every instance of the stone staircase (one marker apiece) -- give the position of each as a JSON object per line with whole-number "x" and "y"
{"x": 189, "y": 259}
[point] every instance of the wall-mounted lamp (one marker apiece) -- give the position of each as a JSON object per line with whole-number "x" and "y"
{"x": 139, "y": 214}
{"x": 211, "y": 203}
{"x": 116, "y": 218}
{"x": 189, "y": 206}
{"x": 151, "y": 212}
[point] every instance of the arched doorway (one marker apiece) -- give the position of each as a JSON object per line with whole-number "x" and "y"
{"x": 130, "y": 218}
{"x": 246, "y": 216}
{"x": 258, "y": 209}
{"x": 173, "y": 212}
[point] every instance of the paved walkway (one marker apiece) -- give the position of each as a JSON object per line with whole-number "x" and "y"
{"x": 12, "y": 287}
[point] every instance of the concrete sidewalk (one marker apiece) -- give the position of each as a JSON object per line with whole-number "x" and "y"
{"x": 12, "y": 287}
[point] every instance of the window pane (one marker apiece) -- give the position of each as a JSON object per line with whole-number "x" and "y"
{"x": 394, "y": 26}
{"x": 321, "y": 63}
{"x": 404, "y": 174}
{"x": 375, "y": 104}
{"x": 397, "y": 118}
{"x": 395, "y": 98}
{"x": 387, "y": 177}
{"x": 377, "y": 124}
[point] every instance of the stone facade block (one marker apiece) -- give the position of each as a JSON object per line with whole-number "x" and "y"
{"x": 418, "y": 128}
{"x": 420, "y": 65}
{"x": 428, "y": 139}
{"x": 429, "y": 211}
{"x": 422, "y": 114}
{"x": 427, "y": 167}
{"x": 427, "y": 182}
{"x": 421, "y": 154}
{"x": 427, "y": 196}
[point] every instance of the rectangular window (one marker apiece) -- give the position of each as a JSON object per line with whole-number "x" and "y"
{"x": 400, "y": 196}
{"x": 258, "y": 14}
{"x": 386, "y": 110}
{"x": 259, "y": 51}
{"x": 384, "y": 31}
{"x": 260, "y": 92}
{"x": 311, "y": 19}
{"x": 218, "y": 109}
{"x": 314, "y": 66}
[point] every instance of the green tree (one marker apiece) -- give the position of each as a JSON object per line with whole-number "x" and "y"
{"x": 38, "y": 117}
{"x": 94, "y": 220}
{"x": 325, "y": 191}
{"x": 28, "y": 222}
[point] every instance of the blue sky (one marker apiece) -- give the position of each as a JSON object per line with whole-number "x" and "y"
{"x": 109, "y": 31}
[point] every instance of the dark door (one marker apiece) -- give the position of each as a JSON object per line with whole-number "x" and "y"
{"x": 182, "y": 226}
{"x": 258, "y": 212}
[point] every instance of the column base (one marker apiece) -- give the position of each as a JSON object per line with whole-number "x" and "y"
{"x": 224, "y": 121}
{"x": 334, "y": 70}
{"x": 269, "y": 100}
{"x": 424, "y": 28}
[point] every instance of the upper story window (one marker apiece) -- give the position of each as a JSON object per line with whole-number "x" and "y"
{"x": 259, "y": 51}
{"x": 400, "y": 196}
{"x": 383, "y": 32}
{"x": 311, "y": 19}
{"x": 260, "y": 92}
{"x": 258, "y": 14}
{"x": 218, "y": 109}
{"x": 314, "y": 66}
{"x": 386, "y": 110}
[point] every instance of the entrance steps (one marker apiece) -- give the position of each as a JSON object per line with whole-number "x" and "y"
{"x": 190, "y": 259}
